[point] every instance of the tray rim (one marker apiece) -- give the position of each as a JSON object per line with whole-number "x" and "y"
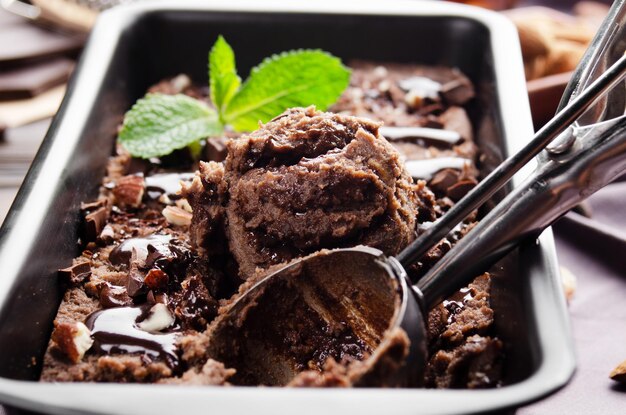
{"x": 557, "y": 362}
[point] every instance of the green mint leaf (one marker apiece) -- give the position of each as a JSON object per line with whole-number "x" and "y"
{"x": 223, "y": 79}
{"x": 292, "y": 79}
{"x": 159, "y": 124}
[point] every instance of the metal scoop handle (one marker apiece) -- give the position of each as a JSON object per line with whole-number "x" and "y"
{"x": 503, "y": 173}
{"x": 607, "y": 46}
{"x": 575, "y": 164}
{"x": 559, "y": 184}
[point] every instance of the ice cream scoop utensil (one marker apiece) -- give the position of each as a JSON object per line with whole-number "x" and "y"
{"x": 349, "y": 303}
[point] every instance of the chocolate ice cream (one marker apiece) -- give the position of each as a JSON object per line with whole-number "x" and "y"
{"x": 306, "y": 180}
{"x": 153, "y": 278}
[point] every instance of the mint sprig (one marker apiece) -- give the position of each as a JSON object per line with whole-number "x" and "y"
{"x": 159, "y": 124}
{"x": 291, "y": 79}
{"x": 223, "y": 79}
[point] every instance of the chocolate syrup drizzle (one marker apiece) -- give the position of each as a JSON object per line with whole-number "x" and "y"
{"x": 457, "y": 303}
{"x": 120, "y": 255}
{"x": 167, "y": 184}
{"x": 433, "y": 136}
{"x": 115, "y": 330}
{"x": 425, "y": 169}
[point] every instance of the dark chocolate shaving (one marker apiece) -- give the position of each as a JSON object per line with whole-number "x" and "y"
{"x": 113, "y": 296}
{"x": 215, "y": 149}
{"x": 457, "y": 92}
{"x": 443, "y": 180}
{"x": 75, "y": 274}
{"x": 135, "y": 283}
{"x": 460, "y": 189}
{"x": 95, "y": 215}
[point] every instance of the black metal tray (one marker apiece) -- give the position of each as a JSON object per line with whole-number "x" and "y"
{"x": 135, "y": 46}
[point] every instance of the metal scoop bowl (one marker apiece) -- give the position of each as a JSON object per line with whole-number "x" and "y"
{"x": 346, "y": 304}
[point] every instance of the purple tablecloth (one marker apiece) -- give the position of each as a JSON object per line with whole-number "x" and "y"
{"x": 594, "y": 250}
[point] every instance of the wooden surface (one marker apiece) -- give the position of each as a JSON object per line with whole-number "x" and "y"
{"x": 16, "y": 153}
{"x": 34, "y": 65}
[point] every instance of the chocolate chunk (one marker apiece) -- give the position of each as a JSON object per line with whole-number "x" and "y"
{"x": 107, "y": 235}
{"x": 444, "y": 179}
{"x": 3, "y": 128}
{"x": 112, "y": 296}
{"x": 460, "y": 189}
{"x": 216, "y": 148}
{"x": 27, "y": 42}
{"x": 94, "y": 223}
{"x": 456, "y": 119}
{"x": 95, "y": 217}
{"x": 138, "y": 166}
{"x": 433, "y": 122}
{"x": 75, "y": 274}
{"x": 135, "y": 284}
{"x": 193, "y": 306}
{"x": 457, "y": 91}
{"x": 30, "y": 81}
{"x": 434, "y": 108}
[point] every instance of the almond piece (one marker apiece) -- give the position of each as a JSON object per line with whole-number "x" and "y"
{"x": 72, "y": 339}
{"x": 619, "y": 373}
{"x": 177, "y": 216}
{"x": 578, "y": 32}
{"x": 156, "y": 279}
{"x": 534, "y": 42}
{"x": 568, "y": 280}
{"x": 564, "y": 57}
{"x": 159, "y": 319}
{"x": 128, "y": 190}
{"x": 184, "y": 205}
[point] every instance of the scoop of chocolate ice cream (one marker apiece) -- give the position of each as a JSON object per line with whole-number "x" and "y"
{"x": 308, "y": 180}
